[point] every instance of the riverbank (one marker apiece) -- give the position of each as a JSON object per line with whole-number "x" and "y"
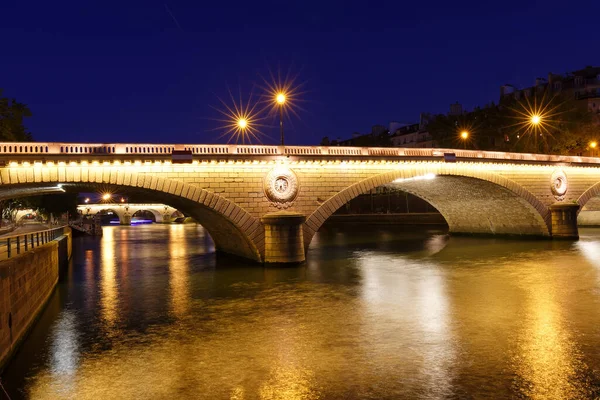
{"x": 26, "y": 282}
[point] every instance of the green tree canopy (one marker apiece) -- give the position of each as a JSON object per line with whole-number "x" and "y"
{"x": 12, "y": 114}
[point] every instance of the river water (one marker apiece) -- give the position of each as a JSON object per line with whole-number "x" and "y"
{"x": 150, "y": 312}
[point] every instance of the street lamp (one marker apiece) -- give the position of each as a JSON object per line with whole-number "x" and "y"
{"x": 593, "y": 145}
{"x": 535, "y": 122}
{"x": 242, "y": 123}
{"x": 280, "y": 99}
{"x": 464, "y": 135}
{"x": 106, "y": 196}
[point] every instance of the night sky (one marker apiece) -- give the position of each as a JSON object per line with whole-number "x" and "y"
{"x": 149, "y": 71}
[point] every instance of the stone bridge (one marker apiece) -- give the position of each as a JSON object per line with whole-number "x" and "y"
{"x": 265, "y": 203}
{"x": 126, "y": 211}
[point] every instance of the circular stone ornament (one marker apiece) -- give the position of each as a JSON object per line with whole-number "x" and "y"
{"x": 281, "y": 186}
{"x": 559, "y": 184}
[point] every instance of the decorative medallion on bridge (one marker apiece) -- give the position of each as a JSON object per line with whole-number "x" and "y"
{"x": 281, "y": 186}
{"x": 558, "y": 184}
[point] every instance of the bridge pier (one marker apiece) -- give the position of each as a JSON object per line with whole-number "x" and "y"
{"x": 564, "y": 220}
{"x": 284, "y": 241}
{"x": 125, "y": 219}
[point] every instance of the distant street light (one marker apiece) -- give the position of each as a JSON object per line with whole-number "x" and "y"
{"x": 536, "y": 119}
{"x": 87, "y": 200}
{"x": 593, "y": 145}
{"x": 242, "y": 123}
{"x": 106, "y": 196}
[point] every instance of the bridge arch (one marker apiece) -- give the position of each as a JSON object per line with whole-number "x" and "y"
{"x": 115, "y": 210}
{"x": 233, "y": 229}
{"x": 157, "y": 215}
{"x": 592, "y": 192}
{"x": 458, "y": 193}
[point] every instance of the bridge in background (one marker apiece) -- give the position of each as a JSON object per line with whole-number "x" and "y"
{"x": 126, "y": 211}
{"x": 266, "y": 203}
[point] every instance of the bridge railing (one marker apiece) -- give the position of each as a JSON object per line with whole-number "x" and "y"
{"x": 13, "y": 245}
{"x": 138, "y": 149}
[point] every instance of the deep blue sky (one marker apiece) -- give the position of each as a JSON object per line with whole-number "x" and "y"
{"x": 124, "y": 71}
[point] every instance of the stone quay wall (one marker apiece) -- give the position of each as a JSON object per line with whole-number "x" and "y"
{"x": 26, "y": 283}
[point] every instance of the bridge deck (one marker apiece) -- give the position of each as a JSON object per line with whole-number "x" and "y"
{"x": 38, "y": 151}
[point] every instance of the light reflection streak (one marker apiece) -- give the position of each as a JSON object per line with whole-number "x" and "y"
{"x": 548, "y": 360}
{"x": 108, "y": 283}
{"x": 414, "y": 297}
{"x": 65, "y": 352}
{"x": 178, "y": 271}
{"x": 590, "y": 250}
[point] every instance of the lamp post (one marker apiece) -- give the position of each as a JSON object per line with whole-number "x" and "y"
{"x": 535, "y": 121}
{"x": 464, "y": 135}
{"x": 593, "y": 145}
{"x": 280, "y": 100}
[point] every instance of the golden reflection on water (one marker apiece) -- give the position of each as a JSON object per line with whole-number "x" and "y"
{"x": 547, "y": 359}
{"x": 108, "y": 282}
{"x": 289, "y": 383}
{"x": 401, "y": 293}
{"x": 374, "y": 325}
{"x": 179, "y": 271}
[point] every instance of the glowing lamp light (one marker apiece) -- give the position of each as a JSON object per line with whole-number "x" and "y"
{"x": 106, "y": 196}
{"x": 242, "y": 123}
{"x": 87, "y": 200}
{"x": 280, "y": 98}
{"x": 536, "y": 119}
{"x": 593, "y": 145}
{"x": 464, "y": 134}
{"x": 122, "y": 200}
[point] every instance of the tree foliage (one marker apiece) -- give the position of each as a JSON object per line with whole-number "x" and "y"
{"x": 55, "y": 204}
{"x": 567, "y": 127}
{"x": 12, "y": 114}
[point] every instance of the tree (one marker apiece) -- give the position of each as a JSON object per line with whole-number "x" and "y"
{"x": 55, "y": 204}
{"x": 566, "y": 126}
{"x": 325, "y": 141}
{"x": 12, "y": 114}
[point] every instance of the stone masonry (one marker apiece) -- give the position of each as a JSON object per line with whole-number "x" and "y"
{"x": 26, "y": 282}
{"x": 477, "y": 192}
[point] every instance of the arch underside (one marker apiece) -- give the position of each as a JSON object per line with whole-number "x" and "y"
{"x": 469, "y": 204}
{"x": 158, "y": 217}
{"x": 228, "y": 236}
{"x": 472, "y": 205}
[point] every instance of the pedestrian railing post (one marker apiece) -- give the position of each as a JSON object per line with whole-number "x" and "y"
{"x": 25, "y": 237}
{"x": 18, "y": 245}
{"x": 37, "y": 236}
{"x": 8, "y": 247}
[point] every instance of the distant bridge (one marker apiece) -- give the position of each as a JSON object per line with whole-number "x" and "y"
{"x": 126, "y": 211}
{"x": 266, "y": 203}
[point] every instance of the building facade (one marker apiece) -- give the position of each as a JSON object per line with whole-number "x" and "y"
{"x": 583, "y": 85}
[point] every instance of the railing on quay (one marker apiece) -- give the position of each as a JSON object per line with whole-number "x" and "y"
{"x": 73, "y": 152}
{"x": 11, "y": 246}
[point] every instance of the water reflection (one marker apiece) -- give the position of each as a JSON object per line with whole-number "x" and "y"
{"x": 178, "y": 271}
{"x": 149, "y": 313}
{"x": 547, "y": 360}
{"x": 108, "y": 281}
